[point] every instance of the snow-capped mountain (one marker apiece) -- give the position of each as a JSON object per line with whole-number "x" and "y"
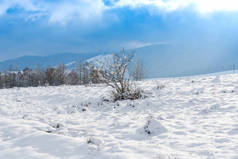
{"x": 101, "y": 60}
{"x": 171, "y": 61}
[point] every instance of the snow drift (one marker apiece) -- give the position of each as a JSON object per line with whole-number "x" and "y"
{"x": 192, "y": 117}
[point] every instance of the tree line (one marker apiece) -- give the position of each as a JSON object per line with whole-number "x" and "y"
{"x": 82, "y": 74}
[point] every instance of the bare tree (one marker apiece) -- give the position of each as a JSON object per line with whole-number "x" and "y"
{"x": 85, "y": 73}
{"x": 20, "y": 79}
{"x": 10, "y": 79}
{"x": 27, "y": 79}
{"x": 49, "y": 73}
{"x": 1, "y": 81}
{"x": 59, "y": 75}
{"x": 72, "y": 78}
{"x": 79, "y": 70}
{"x": 137, "y": 72}
{"x": 115, "y": 75}
{"x": 40, "y": 76}
{"x": 94, "y": 75}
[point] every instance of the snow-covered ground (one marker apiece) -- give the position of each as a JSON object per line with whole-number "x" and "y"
{"x": 181, "y": 118}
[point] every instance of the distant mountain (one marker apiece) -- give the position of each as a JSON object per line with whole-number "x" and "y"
{"x": 69, "y": 59}
{"x": 166, "y": 60}
{"x": 177, "y": 60}
{"x": 163, "y": 60}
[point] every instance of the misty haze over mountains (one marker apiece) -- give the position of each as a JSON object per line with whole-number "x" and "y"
{"x": 43, "y": 61}
{"x": 160, "y": 60}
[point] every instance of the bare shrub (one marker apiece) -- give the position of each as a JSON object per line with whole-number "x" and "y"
{"x": 115, "y": 74}
{"x": 131, "y": 93}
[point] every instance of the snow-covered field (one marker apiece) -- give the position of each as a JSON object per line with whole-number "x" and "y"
{"x": 181, "y": 118}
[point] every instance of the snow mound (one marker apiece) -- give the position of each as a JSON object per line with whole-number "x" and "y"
{"x": 153, "y": 127}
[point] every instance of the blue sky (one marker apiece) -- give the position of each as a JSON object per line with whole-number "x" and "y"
{"x": 44, "y": 27}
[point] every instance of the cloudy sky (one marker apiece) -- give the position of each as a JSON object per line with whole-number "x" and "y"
{"x": 44, "y": 27}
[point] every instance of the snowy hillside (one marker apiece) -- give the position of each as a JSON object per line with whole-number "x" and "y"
{"x": 101, "y": 60}
{"x": 181, "y": 118}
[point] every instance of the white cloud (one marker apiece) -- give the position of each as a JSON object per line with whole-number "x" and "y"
{"x": 84, "y": 10}
{"x": 27, "y": 5}
{"x": 63, "y": 11}
{"x": 3, "y": 8}
{"x": 168, "y": 5}
{"x": 139, "y": 44}
{"x": 60, "y": 11}
{"x": 203, "y": 6}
